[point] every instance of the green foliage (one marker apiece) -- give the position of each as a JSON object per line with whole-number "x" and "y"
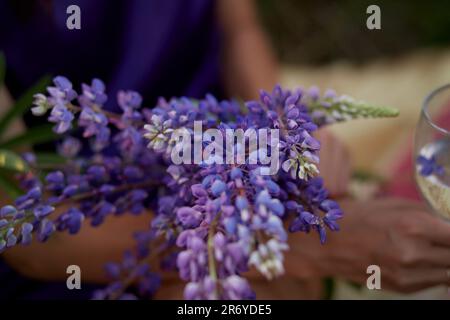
{"x": 364, "y": 110}
{"x": 23, "y": 103}
{"x": 346, "y": 109}
{"x": 323, "y": 31}
{"x": 49, "y": 158}
{"x": 32, "y": 136}
{"x": 8, "y": 186}
{"x": 365, "y": 176}
{"x": 328, "y": 288}
{"x": 11, "y": 161}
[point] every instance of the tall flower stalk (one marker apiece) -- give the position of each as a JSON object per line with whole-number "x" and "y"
{"x": 212, "y": 221}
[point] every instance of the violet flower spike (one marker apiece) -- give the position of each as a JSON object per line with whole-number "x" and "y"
{"x": 212, "y": 222}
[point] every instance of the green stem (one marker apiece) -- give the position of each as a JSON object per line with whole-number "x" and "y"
{"x": 211, "y": 259}
{"x": 82, "y": 196}
{"x": 98, "y": 109}
{"x": 120, "y": 188}
{"x": 133, "y": 276}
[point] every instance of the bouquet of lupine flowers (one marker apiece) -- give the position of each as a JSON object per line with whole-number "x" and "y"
{"x": 213, "y": 219}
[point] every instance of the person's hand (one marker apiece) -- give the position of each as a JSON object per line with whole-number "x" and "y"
{"x": 411, "y": 247}
{"x": 90, "y": 249}
{"x": 335, "y": 164}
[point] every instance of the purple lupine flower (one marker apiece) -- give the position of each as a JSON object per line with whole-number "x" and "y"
{"x": 314, "y": 92}
{"x": 237, "y": 288}
{"x": 192, "y": 291}
{"x": 158, "y": 132}
{"x": 149, "y": 284}
{"x": 299, "y": 224}
{"x": 93, "y": 94}
{"x": 30, "y": 199}
{"x": 70, "y": 220}
{"x": 265, "y": 203}
{"x": 333, "y": 213}
{"x": 268, "y": 258}
{"x": 70, "y": 147}
{"x": 70, "y": 190}
{"x": 11, "y": 238}
{"x": 42, "y": 211}
{"x": 315, "y": 222}
{"x": 55, "y": 181}
{"x": 96, "y": 173}
{"x": 46, "y": 228}
{"x": 62, "y": 92}
{"x": 129, "y": 142}
{"x": 7, "y": 211}
{"x": 26, "y": 230}
{"x": 95, "y": 124}
{"x": 189, "y": 217}
{"x": 113, "y": 270}
{"x": 221, "y": 218}
{"x": 62, "y": 117}
{"x": 429, "y": 166}
{"x": 330, "y": 94}
{"x": 41, "y": 104}
{"x": 132, "y": 173}
{"x": 100, "y": 212}
{"x": 129, "y": 100}
{"x": 218, "y": 187}
{"x": 331, "y": 217}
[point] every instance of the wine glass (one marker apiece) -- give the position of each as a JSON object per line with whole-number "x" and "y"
{"x": 432, "y": 151}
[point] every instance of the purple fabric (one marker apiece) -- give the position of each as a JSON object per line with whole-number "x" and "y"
{"x": 157, "y": 47}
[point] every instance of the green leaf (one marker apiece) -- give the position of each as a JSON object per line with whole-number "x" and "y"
{"x": 49, "y": 158}
{"x": 365, "y": 176}
{"x": 23, "y": 103}
{"x": 12, "y": 161}
{"x": 35, "y": 135}
{"x": 328, "y": 288}
{"x": 8, "y": 186}
{"x": 2, "y": 68}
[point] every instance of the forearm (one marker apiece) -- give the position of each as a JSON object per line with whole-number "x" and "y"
{"x": 248, "y": 61}
{"x": 90, "y": 249}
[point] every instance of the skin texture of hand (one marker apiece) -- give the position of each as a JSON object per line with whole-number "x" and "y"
{"x": 90, "y": 249}
{"x": 411, "y": 246}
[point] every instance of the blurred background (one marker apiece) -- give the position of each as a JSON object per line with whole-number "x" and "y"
{"x": 326, "y": 43}
{"x": 320, "y": 32}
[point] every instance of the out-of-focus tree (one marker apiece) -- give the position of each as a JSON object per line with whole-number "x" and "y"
{"x": 321, "y": 31}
